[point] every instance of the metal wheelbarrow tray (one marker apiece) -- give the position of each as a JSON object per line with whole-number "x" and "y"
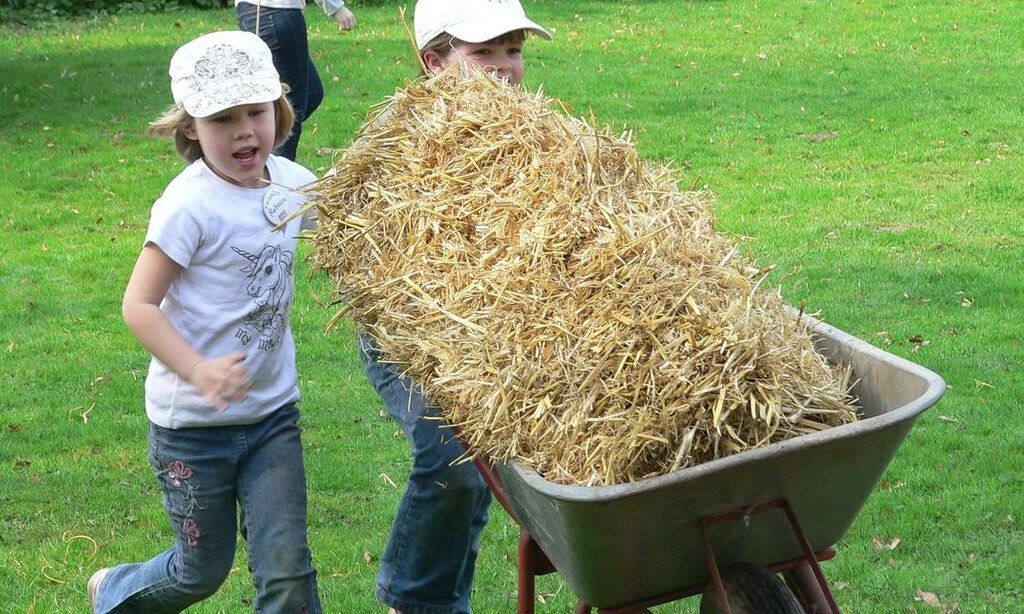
{"x": 621, "y": 544}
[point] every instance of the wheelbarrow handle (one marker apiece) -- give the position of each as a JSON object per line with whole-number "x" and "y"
{"x": 486, "y": 469}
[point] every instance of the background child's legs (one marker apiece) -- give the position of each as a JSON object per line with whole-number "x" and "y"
{"x": 272, "y": 492}
{"x": 284, "y": 31}
{"x": 196, "y": 470}
{"x": 430, "y": 557}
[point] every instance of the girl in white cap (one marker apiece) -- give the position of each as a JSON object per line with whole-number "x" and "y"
{"x": 210, "y": 298}
{"x": 430, "y": 557}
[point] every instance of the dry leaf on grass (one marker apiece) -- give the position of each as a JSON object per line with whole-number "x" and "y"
{"x": 929, "y": 598}
{"x": 818, "y": 137}
{"x": 917, "y": 342}
{"x": 887, "y": 485}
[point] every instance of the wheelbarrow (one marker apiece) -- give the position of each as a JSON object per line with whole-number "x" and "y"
{"x": 779, "y": 508}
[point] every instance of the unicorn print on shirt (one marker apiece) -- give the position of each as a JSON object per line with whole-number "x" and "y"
{"x": 270, "y": 286}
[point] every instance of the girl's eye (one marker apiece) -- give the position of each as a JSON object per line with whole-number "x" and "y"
{"x": 256, "y": 112}
{"x": 220, "y": 119}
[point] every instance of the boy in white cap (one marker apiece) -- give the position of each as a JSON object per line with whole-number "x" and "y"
{"x": 490, "y": 33}
{"x": 430, "y": 558}
{"x": 209, "y": 298}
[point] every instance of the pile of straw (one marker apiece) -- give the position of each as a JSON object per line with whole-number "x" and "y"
{"x": 562, "y": 302}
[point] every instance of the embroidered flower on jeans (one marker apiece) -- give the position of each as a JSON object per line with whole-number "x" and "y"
{"x": 178, "y": 469}
{"x": 191, "y": 531}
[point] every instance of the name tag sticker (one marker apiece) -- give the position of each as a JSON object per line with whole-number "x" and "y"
{"x": 277, "y": 205}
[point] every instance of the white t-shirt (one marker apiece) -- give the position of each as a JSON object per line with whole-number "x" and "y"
{"x": 234, "y": 292}
{"x": 330, "y": 6}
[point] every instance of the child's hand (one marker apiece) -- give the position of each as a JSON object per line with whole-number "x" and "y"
{"x": 345, "y": 19}
{"x": 221, "y": 379}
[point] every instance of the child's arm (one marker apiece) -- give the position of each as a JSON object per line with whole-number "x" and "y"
{"x": 220, "y": 378}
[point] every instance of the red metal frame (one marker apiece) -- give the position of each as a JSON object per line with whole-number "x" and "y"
{"x": 812, "y": 591}
{"x": 803, "y": 574}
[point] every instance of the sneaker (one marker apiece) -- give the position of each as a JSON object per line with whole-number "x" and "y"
{"x": 93, "y": 587}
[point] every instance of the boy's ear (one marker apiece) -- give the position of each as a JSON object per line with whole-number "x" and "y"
{"x": 189, "y": 130}
{"x": 433, "y": 61}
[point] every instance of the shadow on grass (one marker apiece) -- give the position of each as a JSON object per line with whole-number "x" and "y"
{"x": 86, "y": 89}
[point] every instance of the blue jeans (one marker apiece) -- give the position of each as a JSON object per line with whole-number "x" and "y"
{"x": 428, "y": 563}
{"x": 203, "y": 472}
{"x": 284, "y": 31}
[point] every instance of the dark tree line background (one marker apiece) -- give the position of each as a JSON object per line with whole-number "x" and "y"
{"x": 26, "y": 11}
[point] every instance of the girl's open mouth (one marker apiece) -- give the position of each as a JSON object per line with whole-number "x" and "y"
{"x": 245, "y": 156}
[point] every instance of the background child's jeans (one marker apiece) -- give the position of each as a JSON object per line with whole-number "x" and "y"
{"x": 203, "y": 472}
{"x": 428, "y": 564}
{"x": 284, "y": 31}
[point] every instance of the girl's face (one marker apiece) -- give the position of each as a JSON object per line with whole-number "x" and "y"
{"x": 237, "y": 142}
{"x": 502, "y": 57}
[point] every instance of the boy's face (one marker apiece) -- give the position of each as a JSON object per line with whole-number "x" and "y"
{"x": 503, "y": 57}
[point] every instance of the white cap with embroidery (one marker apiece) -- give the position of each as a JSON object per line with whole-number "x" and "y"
{"x": 221, "y": 70}
{"x": 472, "y": 21}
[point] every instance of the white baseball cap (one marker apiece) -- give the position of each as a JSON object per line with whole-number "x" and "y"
{"x": 473, "y": 21}
{"x": 221, "y": 70}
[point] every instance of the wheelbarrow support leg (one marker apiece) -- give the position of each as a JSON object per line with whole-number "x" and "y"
{"x": 805, "y": 579}
{"x": 526, "y": 573}
{"x": 804, "y": 584}
{"x": 811, "y": 585}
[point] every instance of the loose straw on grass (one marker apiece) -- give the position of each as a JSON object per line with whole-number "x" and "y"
{"x": 562, "y": 302}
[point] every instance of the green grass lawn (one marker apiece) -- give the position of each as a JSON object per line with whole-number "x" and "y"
{"x": 872, "y": 149}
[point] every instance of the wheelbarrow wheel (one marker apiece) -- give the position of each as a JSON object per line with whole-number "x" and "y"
{"x": 751, "y": 589}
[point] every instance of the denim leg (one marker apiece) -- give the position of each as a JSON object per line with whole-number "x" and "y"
{"x": 196, "y": 470}
{"x": 272, "y": 493}
{"x": 428, "y": 563}
{"x": 284, "y": 31}
{"x": 314, "y": 89}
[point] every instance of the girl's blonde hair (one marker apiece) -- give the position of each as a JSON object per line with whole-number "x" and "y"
{"x": 172, "y": 123}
